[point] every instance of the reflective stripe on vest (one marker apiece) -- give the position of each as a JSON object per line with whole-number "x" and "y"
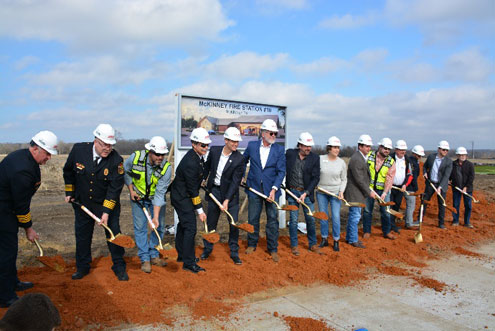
{"x": 139, "y": 168}
{"x": 378, "y": 182}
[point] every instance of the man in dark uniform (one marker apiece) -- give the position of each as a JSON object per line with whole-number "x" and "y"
{"x": 20, "y": 177}
{"x": 224, "y": 169}
{"x": 184, "y": 195}
{"x": 94, "y": 176}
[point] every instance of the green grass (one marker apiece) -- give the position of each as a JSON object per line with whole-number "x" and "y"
{"x": 484, "y": 170}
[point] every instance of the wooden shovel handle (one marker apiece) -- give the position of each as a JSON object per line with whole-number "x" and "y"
{"x": 333, "y": 195}
{"x": 469, "y": 195}
{"x": 261, "y": 195}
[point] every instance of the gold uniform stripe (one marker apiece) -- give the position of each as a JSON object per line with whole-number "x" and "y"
{"x": 24, "y": 218}
{"x": 196, "y": 200}
{"x": 69, "y": 187}
{"x": 110, "y": 204}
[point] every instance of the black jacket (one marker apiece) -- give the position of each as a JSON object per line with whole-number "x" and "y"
{"x": 414, "y": 163}
{"x": 231, "y": 175}
{"x": 311, "y": 171}
{"x": 184, "y": 190}
{"x": 463, "y": 175}
{"x": 98, "y": 188}
{"x": 20, "y": 177}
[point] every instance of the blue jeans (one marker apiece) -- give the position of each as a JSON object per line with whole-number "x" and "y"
{"x": 310, "y": 221}
{"x": 351, "y": 235}
{"x": 467, "y": 206}
{"x": 368, "y": 215}
{"x": 146, "y": 247}
{"x": 254, "y": 211}
{"x": 323, "y": 201}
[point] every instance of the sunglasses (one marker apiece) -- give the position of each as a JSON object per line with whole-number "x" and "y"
{"x": 444, "y": 150}
{"x": 204, "y": 145}
{"x": 386, "y": 148}
{"x": 159, "y": 154}
{"x": 272, "y": 134}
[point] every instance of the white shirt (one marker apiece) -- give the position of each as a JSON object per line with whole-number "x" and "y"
{"x": 264, "y": 152}
{"x": 400, "y": 171}
{"x": 434, "y": 169}
{"x": 221, "y": 165}
{"x": 95, "y": 155}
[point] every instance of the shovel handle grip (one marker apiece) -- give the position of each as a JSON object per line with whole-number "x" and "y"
{"x": 297, "y": 199}
{"x": 39, "y": 246}
{"x": 465, "y": 193}
{"x": 96, "y": 218}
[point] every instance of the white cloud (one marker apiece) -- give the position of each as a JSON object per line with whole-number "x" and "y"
{"x": 25, "y": 62}
{"x": 320, "y": 66}
{"x": 371, "y": 58}
{"x": 347, "y": 21}
{"x": 468, "y": 66}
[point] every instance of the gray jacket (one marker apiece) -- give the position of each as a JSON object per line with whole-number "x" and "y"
{"x": 443, "y": 171}
{"x": 358, "y": 179}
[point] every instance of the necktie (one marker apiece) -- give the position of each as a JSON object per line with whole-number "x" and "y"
{"x": 97, "y": 159}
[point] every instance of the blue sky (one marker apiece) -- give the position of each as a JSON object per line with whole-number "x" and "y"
{"x": 417, "y": 70}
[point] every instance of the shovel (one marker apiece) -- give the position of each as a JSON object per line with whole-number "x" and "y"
{"x": 467, "y": 194}
{"x": 153, "y": 227}
{"x": 415, "y": 194}
{"x": 119, "y": 239}
{"x": 348, "y": 204}
{"x": 286, "y": 207}
{"x": 246, "y": 227}
{"x": 56, "y": 262}
{"x": 210, "y": 236}
{"x": 395, "y": 213}
{"x": 418, "y": 238}
{"x": 452, "y": 209}
{"x": 319, "y": 214}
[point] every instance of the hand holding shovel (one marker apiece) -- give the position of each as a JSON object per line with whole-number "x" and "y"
{"x": 348, "y": 204}
{"x": 466, "y": 194}
{"x": 153, "y": 227}
{"x": 405, "y": 192}
{"x": 286, "y": 207}
{"x": 381, "y": 202}
{"x": 452, "y": 209}
{"x": 319, "y": 214}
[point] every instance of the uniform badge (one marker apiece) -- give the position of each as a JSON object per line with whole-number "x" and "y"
{"x": 121, "y": 168}
{"x": 105, "y": 172}
{"x": 80, "y": 166}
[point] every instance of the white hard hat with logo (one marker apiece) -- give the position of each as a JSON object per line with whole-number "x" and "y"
{"x": 385, "y": 142}
{"x": 269, "y": 125}
{"x": 200, "y": 135}
{"x": 105, "y": 133}
{"x": 333, "y": 141}
{"x": 461, "y": 151}
{"x": 444, "y": 144}
{"x": 233, "y": 134}
{"x": 306, "y": 139}
{"x": 157, "y": 144}
{"x": 418, "y": 149}
{"x": 401, "y": 144}
{"x": 365, "y": 139}
{"x": 46, "y": 140}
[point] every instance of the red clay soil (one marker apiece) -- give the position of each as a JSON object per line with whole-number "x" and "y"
{"x": 100, "y": 299}
{"x": 305, "y": 324}
{"x": 246, "y": 227}
{"x": 55, "y": 262}
{"x": 124, "y": 241}
{"x": 466, "y": 252}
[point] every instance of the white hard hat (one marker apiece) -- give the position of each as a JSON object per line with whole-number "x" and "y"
{"x": 157, "y": 144}
{"x": 401, "y": 144}
{"x": 385, "y": 142}
{"x": 306, "y": 139}
{"x": 461, "y": 151}
{"x": 365, "y": 139}
{"x": 269, "y": 125}
{"x": 333, "y": 141}
{"x": 233, "y": 134}
{"x": 418, "y": 149}
{"x": 200, "y": 135}
{"x": 444, "y": 144}
{"x": 46, "y": 140}
{"x": 105, "y": 133}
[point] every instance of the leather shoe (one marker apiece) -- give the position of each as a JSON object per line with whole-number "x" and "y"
{"x": 275, "y": 257}
{"x": 193, "y": 268}
{"x": 324, "y": 242}
{"x": 366, "y": 235}
{"x": 79, "y": 274}
{"x": 122, "y": 276}
{"x": 9, "y": 303}
{"x": 250, "y": 249}
{"x": 159, "y": 262}
{"x": 295, "y": 251}
{"x": 179, "y": 259}
{"x": 389, "y": 236}
{"x": 22, "y": 286}
{"x": 336, "y": 247}
{"x": 469, "y": 225}
{"x": 205, "y": 256}
{"x": 357, "y": 244}
{"x": 236, "y": 260}
{"x": 441, "y": 226}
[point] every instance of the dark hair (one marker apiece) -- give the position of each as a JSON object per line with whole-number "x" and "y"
{"x": 32, "y": 143}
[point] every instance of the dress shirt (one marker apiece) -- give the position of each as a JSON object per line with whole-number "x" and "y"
{"x": 400, "y": 171}
{"x": 221, "y": 165}
{"x": 434, "y": 169}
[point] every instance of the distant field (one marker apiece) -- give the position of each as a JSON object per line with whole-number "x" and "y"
{"x": 485, "y": 169}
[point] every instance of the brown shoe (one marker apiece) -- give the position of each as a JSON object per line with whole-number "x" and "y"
{"x": 159, "y": 262}
{"x": 366, "y": 235}
{"x": 295, "y": 251}
{"x": 389, "y": 236}
{"x": 315, "y": 249}
{"x": 357, "y": 244}
{"x": 146, "y": 266}
{"x": 250, "y": 249}
{"x": 274, "y": 256}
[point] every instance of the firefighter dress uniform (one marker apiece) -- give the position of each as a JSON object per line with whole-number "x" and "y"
{"x": 98, "y": 187}
{"x": 19, "y": 179}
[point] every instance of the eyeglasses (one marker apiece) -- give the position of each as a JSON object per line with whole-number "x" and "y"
{"x": 204, "y": 145}
{"x": 386, "y": 148}
{"x": 102, "y": 144}
{"x": 159, "y": 154}
{"x": 272, "y": 134}
{"x": 444, "y": 150}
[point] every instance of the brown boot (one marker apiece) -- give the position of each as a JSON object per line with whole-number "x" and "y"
{"x": 250, "y": 249}
{"x": 366, "y": 235}
{"x": 295, "y": 251}
{"x": 146, "y": 266}
{"x": 274, "y": 256}
{"x": 315, "y": 249}
{"x": 159, "y": 262}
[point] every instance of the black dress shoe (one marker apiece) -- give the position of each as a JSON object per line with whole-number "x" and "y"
{"x": 336, "y": 247}
{"x": 205, "y": 256}
{"x": 193, "y": 268}
{"x": 22, "y": 286}
{"x": 236, "y": 260}
{"x": 324, "y": 242}
{"x": 79, "y": 274}
{"x": 357, "y": 244}
{"x": 8, "y": 303}
{"x": 179, "y": 259}
{"x": 122, "y": 276}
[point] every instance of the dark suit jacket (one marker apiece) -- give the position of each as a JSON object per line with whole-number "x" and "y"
{"x": 184, "y": 190}
{"x": 231, "y": 175}
{"x": 311, "y": 171}
{"x": 272, "y": 175}
{"x": 358, "y": 179}
{"x": 444, "y": 170}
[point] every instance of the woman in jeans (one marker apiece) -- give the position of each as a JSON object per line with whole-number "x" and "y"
{"x": 333, "y": 178}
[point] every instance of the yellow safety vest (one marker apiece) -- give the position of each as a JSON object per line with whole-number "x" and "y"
{"x": 378, "y": 181}
{"x": 139, "y": 165}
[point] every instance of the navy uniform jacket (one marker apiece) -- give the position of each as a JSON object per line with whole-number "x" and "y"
{"x": 20, "y": 177}
{"x": 184, "y": 191}
{"x": 311, "y": 171}
{"x": 97, "y": 188}
{"x": 231, "y": 176}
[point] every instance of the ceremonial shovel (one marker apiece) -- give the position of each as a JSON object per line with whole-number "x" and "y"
{"x": 348, "y": 204}
{"x": 467, "y": 194}
{"x": 286, "y": 207}
{"x": 153, "y": 227}
{"x": 319, "y": 214}
{"x": 415, "y": 194}
{"x": 452, "y": 209}
{"x": 388, "y": 204}
{"x": 56, "y": 262}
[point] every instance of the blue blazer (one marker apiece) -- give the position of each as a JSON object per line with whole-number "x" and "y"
{"x": 272, "y": 175}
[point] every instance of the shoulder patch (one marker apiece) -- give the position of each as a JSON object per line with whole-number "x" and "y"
{"x": 120, "y": 168}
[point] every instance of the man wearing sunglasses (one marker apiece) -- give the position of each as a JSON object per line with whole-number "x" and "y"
{"x": 94, "y": 176}
{"x": 147, "y": 176}
{"x": 266, "y": 173}
{"x": 437, "y": 170}
{"x": 184, "y": 194}
{"x": 382, "y": 171}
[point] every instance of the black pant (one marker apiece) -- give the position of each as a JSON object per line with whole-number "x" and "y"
{"x": 441, "y": 209}
{"x": 84, "y": 227}
{"x": 8, "y": 270}
{"x": 184, "y": 238}
{"x": 395, "y": 196}
{"x": 212, "y": 221}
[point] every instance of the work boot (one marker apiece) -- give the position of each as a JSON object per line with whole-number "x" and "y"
{"x": 315, "y": 249}
{"x": 336, "y": 247}
{"x": 159, "y": 262}
{"x": 295, "y": 250}
{"x": 146, "y": 266}
{"x": 389, "y": 236}
{"x": 274, "y": 256}
{"x": 324, "y": 242}
{"x": 366, "y": 235}
{"x": 250, "y": 249}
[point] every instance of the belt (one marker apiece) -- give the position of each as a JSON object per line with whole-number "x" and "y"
{"x": 297, "y": 188}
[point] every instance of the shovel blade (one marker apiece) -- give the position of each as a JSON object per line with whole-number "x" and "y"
{"x": 123, "y": 241}
{"x": 418, "y": 238}
{"x": 396, "y": 214}
{"x": 246, "y": 227}
{"x": 289, "y": 207}
{"x": 320, "y": 215}
{"x": 211, "y": 237}
{"x": 56, "y": 262}
{"x": 356, "y": 204}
